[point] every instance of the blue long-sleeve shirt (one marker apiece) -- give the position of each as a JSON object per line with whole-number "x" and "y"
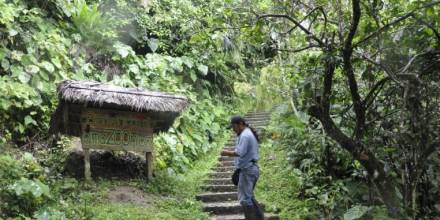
{"x": 246, "y": 146}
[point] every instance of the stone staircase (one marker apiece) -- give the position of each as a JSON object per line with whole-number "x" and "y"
{"x": 220, "y": 198}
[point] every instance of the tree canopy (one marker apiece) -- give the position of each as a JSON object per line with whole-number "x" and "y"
{"x": 355, "y": 85}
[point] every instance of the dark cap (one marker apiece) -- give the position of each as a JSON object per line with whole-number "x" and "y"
{"x": 236, "y": 120}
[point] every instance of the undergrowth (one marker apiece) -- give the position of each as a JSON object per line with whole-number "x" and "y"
{"x": 302, "y": 176}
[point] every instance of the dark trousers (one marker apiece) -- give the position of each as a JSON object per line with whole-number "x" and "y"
{"x": 246, "y": 184}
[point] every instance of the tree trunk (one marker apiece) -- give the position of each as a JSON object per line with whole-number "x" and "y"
{"x": 374, "y": 166}
{"x": 387, "y": 191}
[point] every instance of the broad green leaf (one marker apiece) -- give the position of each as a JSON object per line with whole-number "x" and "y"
{"x": 37, "y": 83}
{"x": 56, "y": 62}
{"x": 32, "y": 69}
{"x": 24, "y": 77}
{"x": 5, "y": 64}
{"x": 5, "y": 104}
{"x": 43, "y": 188}
{"x": 179, "y": 148}
{"x": 29, "y": 120}
{"x": 44, "y": 75}
{"x": 188, "y": 62}
{"x": 48, "y": 66}
{"x": 12, "y": 32}
{"x": 16, "y": 55}
{"x": 203, "y": 69}
{"x": 3, "y": 53}
{"x": 28, "y": 157}
{"x": 185, "y": 160}
{"x": 153, "y": 44}
{"x": 20, "y": 128}
{"x": 28, "y": 59}
{"x": 133, "y": 68}
{"x": 193, "y": 76}
{"x": 122, "y": 49}
{"x": 356, "y": 212}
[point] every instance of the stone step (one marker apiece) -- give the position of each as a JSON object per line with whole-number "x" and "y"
{"x": 224, "y": 168}
{"x": 256, "y": 118}
{"x": 226, "y": 158}
{"x": 221, "y": 199}
{"x": 258, "y": 127}
{"x": 226, "y": 163}
{"x": 217, "y": 197}
{"x": 227, "y": 217}
{"x": 257, "y": 114}
{"x": 241, "y": 217}
{"x": 216, "y": 175}
{"x": 262, "y": 121}
{"x": 217, "y": 208}
{"x": 220, "y": 188}
{"x": 271, "y": 217}
{"x": 258, "y": 121}
{"x": 219, "y": 181}
{"x": 225, "y": 208}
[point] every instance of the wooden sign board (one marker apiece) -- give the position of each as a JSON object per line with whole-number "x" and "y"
{"x": 116, "y": 130}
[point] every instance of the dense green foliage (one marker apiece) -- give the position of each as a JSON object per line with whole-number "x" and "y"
{"x": 357, "y": 83}
{"x": 366, "y": 74}
{"x": 310, "y": 178}
{"x": 120, "y": 42}
{"x": 30, "y": 192}
{"x": 22, "y": 191}
{"x": 46, "y": 43}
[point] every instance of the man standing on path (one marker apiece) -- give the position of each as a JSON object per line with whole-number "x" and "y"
{"x": 246, "y": 157}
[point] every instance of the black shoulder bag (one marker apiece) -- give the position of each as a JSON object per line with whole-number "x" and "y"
{"x": 236, "y": 177}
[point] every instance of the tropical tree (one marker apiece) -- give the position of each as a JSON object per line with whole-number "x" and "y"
{"x": 368, "y": 75}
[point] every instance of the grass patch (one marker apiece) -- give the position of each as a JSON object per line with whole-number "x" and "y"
{"x": 173, "y": 195}
{"x": 278, "y": 184}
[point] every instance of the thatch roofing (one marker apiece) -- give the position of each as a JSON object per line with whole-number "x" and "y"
{"x": 110, "y": 96}
{"x": 74, "y": 96}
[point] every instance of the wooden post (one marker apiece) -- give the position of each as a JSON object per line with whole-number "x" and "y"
{"x": 87, "y": 173}
{"x": 149, "y": 161}
{"x": 66, "y": 118}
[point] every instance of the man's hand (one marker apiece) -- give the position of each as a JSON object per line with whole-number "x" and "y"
{"x": 228, "y": 153}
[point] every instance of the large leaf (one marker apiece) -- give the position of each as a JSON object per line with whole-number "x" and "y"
{"x": 48, "y": 66}
{"x": 356, "y": 212}
{"x": 153, "y": 44}
{"x": 29, "y": 120}
{"x": 32, "y": 69}
{"x": 203, "y": 69}
{"x": 122, "y": 49}
{"x": 193, "y": 76}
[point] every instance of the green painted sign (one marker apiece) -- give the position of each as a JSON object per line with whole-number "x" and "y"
{"x": 115, "y": 138}
{"x": 116, "y": 130}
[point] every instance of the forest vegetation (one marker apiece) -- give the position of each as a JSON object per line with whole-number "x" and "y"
{"x": 353, "y": 87}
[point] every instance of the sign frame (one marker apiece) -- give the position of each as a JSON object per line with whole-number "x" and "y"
{"x": 119, "y": 131}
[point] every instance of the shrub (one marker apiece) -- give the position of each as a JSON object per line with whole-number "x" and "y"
{"x": 22, "y": 187}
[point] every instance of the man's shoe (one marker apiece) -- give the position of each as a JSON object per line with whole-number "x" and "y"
{"x": 253, "y": 213}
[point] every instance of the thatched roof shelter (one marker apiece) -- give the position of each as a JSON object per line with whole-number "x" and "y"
{"x": 105, "y": 95}
{"x": 76, "y": 95}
